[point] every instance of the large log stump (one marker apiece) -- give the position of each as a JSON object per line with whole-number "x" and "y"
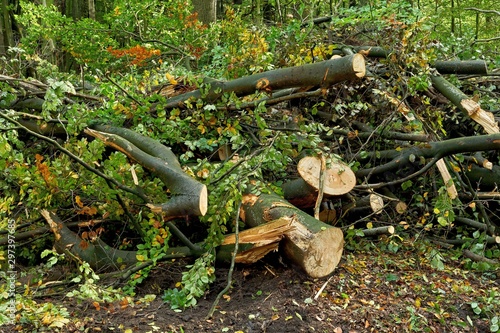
{"x": 303, "y": 192}
{"x": 311, "y": 244}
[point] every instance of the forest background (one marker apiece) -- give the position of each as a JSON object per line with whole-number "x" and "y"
{"x": 66, "y": 66}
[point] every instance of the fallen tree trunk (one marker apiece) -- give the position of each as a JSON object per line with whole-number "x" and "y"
{"x": 322, "y": 74}
{"x": 189, "y": 197}
{"x": 100, "y": 256}
{"x": 313, "y": 245}
{"x": 461, "y": 67}
{"x": 435, "y": 150}
{"x": 254, "y": 244}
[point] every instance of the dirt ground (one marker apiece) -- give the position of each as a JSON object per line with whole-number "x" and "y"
{"x": 368, "y": 292}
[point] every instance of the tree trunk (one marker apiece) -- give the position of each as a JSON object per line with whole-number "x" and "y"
{"x": 313, "y": 245}
{"x": 92, "y": 9}
{"x": 321, "y": 74}
{"x": 6, "y": 24}
{"x": 206, "y": 9}
{"x": 189, "y": 197}
{"x": 303, "y": 192}
{"x": 461, "y": 67}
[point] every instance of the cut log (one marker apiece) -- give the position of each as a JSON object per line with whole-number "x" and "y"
{"x": 321, "y": 74}
{"x": 379, "y": 231}
{"x": 189, "y": 197}
{"x": 313, "y": 245}
{"x": 303, "y": 192}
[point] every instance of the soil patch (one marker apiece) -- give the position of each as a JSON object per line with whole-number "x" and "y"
{"x": 367, "y": 293}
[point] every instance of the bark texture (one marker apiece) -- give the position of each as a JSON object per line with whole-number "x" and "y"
{"x": 313, "y": 245}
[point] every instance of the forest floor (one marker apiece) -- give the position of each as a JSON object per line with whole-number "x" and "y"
{"x": 370, "y": 291}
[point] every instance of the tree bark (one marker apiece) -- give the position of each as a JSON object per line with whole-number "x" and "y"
{"x": 433, "y": 150}
{"x": 189, "y": 197}
{"x": 206, "y": 9}
{"x": 475, "y": 224}
{"x": 483, "y": 177}
{"x": 322, "y": 74}
{"x": 6, "y": 33}
{"x": 379, "y": 231}
{"x": 313, "y": 245}
{"x": 461, "y": 67}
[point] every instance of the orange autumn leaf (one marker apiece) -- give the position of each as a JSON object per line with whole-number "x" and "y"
{"x": 44, "y": 171}
{"x": 78, "y": 201}
{"x": 138, "y": 54}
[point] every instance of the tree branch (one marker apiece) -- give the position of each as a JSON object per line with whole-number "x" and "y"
{"x": 75, "y": 158}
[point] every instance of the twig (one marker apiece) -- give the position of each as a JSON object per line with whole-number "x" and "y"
{"x": 123, "y": 90}
{"x": 174, "y": 230}
{"x": 399, "y": 181}
{"x": 322, "y": 288}
{"x": 135, "y": 224}
{"x": 319, "y": 199}
{"x": 231, "y": 267}
{"x": 245, "y": 159}
{"x": 272, "y": 100}
{"x": 476, "y": 257}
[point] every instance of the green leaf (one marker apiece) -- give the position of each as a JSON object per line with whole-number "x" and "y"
{"x": 406, "y": 185}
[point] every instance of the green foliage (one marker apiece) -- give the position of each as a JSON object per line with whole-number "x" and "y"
{"x": 443, "y": 208}
{"x": 241, "y": 49}
{"x": 194, "y": 283}
{"x": 90, "y": 289}
{"x": 488, "y": 307}
{"x": 153, "y": 249}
